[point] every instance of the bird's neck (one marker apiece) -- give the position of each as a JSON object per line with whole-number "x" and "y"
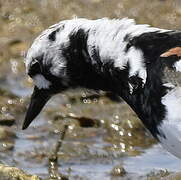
{"x": 147, "y": 102}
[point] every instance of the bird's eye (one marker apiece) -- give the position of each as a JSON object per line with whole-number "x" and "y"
{"x": 35, "y": 68}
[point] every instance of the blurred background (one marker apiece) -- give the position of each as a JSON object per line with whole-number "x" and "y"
{"x": 104, "y": 139}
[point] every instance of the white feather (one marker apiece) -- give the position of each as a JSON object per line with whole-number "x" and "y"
{"x": 136, "y": 62}
{"x": 171, "y": 125}
{"x": 41, "y": 82}
{"x": 177, "y": 65}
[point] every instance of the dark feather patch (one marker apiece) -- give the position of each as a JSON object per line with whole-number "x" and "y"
{"x": 35, "y": 69}
{"x": 52, "y": 35}
{"x": 35, "y": 66}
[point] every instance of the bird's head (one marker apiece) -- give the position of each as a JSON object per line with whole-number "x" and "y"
{"x": 46, "y": 66}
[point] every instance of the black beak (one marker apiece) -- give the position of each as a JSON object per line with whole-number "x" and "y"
{"x": 38, "y": 100}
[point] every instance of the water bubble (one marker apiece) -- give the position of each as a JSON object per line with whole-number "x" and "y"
{"x": 14, "y": 65}
{"x": 10, "y": 101}
{"x": 21, "y": 100}
{"x": 88, "y": 101}
{"x": 84, "y": 101}
{"x": 116, "y": 117}
{"x": 84, "y": 94}
{"x": 4, "y": 108}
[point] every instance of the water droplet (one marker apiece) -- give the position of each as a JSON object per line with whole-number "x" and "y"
{"x": 4, "y": 109}
{"x": 10, "y": 101}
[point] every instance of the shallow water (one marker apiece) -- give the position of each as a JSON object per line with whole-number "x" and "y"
{"x": 87, "y": 153}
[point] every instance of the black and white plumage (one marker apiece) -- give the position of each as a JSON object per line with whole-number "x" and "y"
{"x": 112, "y": 55}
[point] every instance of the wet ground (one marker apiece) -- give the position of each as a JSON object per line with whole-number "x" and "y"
{"x": 104, "y": 139}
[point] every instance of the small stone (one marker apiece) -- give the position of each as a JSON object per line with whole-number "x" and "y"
{"x": 118, "y": 171}
{"x": 7, "y": 172}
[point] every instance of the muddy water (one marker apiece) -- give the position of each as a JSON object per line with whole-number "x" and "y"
{"x": 114, "y": 138}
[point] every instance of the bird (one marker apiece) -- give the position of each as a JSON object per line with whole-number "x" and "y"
{"x": 136, "y": 62}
